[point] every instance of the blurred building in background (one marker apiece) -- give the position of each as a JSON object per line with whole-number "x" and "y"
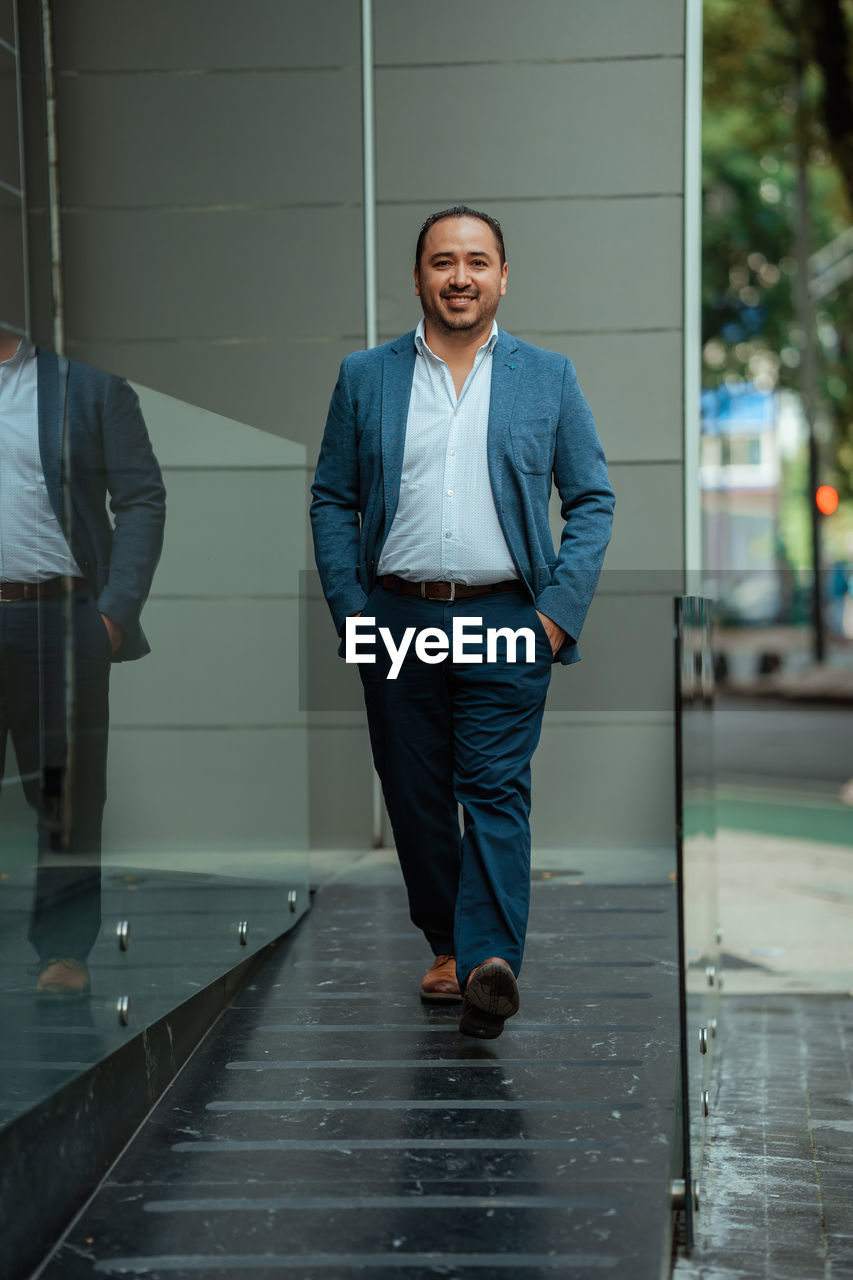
{"x": 740, "y": 477}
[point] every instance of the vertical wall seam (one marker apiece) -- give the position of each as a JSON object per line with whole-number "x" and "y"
{"x": 22, "y": 174}
{"x": 692, "y": 292}
{"x": 56, "y": 282}
{"x": 369, "y": 167}
{"x": 371, "y": 335}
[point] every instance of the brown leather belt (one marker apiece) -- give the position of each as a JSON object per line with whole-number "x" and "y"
{"x": 444, "y": 590}
{"x": 14, "y": 592}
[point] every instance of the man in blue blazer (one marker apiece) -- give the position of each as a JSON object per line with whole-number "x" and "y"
{"x": 430, "y": 520}
{"x": 72, "y": 585}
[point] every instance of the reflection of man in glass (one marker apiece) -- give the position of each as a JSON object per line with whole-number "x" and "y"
{"x": 72, "y": 584}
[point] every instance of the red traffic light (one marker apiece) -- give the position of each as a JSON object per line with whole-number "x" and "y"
{"x": 826, "y": 499}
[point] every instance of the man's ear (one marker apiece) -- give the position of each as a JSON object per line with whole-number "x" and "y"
{"x": 503, "y": 278}
{"x": 417, "y": 282}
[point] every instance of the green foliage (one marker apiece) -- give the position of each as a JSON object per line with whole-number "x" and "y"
{"x": 749, "y": 190}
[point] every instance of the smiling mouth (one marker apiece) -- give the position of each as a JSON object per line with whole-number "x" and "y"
{"x": 458, "y": 298}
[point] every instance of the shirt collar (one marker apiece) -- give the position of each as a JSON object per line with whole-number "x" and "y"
{"x": 423, "y": 347}
{"x": 26, "y": 351}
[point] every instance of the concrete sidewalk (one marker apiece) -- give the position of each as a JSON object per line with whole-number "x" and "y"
{"x": 786, "y": 911}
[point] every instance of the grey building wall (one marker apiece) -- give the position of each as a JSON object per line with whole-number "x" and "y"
{"x": 208, "y": 758}
{"x": 566, "y": 122}
{"x": 212, "y": 230}
{"x": 211, "y": 189}
{"x": 211, "y": 170}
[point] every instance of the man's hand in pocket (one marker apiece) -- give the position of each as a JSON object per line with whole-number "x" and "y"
{"x": 114, "y": 631}
{"x": 555, "y": 634}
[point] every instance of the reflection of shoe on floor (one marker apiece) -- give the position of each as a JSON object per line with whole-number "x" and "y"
{"x": 491, "y": 996}
{"x": 64, "y": 979}
{"x": 440, "y": 981}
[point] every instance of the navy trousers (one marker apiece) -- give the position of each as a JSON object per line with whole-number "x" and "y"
{"x": 55, "y": 658}
{"x": 460, "y": 734}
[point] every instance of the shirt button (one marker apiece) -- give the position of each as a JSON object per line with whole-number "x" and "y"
{"x": 448, "y": 534}
{"x": 450, "y": 493}
{"x": 453, "y": 453}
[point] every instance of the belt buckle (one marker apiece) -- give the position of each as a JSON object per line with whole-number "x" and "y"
{"x": 449, "y": 598}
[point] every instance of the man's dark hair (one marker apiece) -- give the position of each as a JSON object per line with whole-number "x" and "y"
{"x": 460, "y": 211}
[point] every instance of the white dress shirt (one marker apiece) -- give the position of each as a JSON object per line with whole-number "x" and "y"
{"x": 32, "y": 544}
{"x": 446, "y": 526}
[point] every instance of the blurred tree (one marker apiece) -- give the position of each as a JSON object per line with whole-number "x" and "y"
{"x": 818, "y": 28}
{"x": 752, "y": 51}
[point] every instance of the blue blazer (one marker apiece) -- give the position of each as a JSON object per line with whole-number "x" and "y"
{"x": 540, "y": 426}
{"x": 94, "y": 444}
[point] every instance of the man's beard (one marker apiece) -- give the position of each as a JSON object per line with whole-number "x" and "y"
{"x": 455, "y": 322}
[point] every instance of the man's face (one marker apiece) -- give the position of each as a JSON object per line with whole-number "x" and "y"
{"x": 460, "y": 279}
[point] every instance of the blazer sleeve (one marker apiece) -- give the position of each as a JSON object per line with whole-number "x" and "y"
{"x": 587, "y": 502}
{"x": 336, "y": 507}
{"x": 137, "y": 499}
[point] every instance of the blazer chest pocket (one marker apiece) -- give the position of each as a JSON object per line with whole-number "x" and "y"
{"x": 533, "y": 445}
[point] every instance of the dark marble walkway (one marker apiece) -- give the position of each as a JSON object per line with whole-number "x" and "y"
{"x": 778, "y": 1169}
{"x": 333, "y": 1126}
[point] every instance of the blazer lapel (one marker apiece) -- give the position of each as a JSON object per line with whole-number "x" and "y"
{"x": 506, "y": 372}
{"x": 397, "y": 375}
{"x": 51, "y": 413}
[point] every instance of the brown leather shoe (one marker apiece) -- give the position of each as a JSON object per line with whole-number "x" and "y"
{"x": 64, "y": 979}
{"x": 440, "y": 981}
{"x": 491, "y": 996}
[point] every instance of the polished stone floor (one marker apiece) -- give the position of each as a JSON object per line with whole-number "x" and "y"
{"x": 777, "y": 1173}
{"x": 778, "y": 1167}
{"x": 331, "y": 1125}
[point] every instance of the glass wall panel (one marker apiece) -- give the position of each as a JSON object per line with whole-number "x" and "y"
{"x": 696, "y": 824}
{"x": 114, "y": 912}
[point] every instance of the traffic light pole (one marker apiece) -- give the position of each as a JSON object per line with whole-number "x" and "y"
{"x": 818, "y": 623}
{"x": 808, "y": 360}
